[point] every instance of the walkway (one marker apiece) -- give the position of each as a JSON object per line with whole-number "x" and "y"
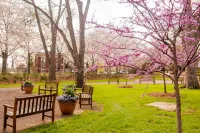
{"x": 136, "y": 82}
{"x": 7, "y": 96}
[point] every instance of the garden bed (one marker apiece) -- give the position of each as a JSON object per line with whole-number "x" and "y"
{"x": 162, "y": 95}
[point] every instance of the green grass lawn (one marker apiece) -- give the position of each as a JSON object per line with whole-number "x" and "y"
{"x": 124, "y": 111}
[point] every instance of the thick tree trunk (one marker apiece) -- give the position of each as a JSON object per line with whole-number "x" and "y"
{"x": 4, "y": 62}
{"x": 52, "y": 72}
{"x": 52, "y": 67}
{"x": 79, "y": 79}
{"x": 165, "y": 88}
{"x": 191, "y": 80}
{"x": 59, "y": 62}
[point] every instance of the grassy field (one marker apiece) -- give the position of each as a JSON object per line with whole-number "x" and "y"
{"x": 125, "y": 111}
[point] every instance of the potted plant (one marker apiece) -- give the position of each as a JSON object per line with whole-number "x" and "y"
{"x": 67, "y": 101}
{"x": 28, "y": 86}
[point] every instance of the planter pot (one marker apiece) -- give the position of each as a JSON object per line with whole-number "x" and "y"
{"x": 67, "y": 107}
{"x": 28, "y": 89}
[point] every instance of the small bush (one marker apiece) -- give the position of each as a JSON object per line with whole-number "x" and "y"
{"x": 43, "y": 77}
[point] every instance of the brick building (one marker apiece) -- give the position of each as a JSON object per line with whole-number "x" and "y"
{"x": 41, "y": 64}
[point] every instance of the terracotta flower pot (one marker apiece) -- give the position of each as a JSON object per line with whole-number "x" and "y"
{"x": 67, "y": 107}
{"x": 28, "y": 89}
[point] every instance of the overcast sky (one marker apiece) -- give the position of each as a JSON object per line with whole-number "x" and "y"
{"x": 107, "y": 11}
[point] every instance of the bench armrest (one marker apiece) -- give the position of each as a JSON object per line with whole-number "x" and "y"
{"x": 8, "y": 106}
{"x": 40, "y": 85}
{"x": 85, "y": 93}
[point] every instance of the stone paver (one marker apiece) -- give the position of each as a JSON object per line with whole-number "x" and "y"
{"x": 164, "y": 106}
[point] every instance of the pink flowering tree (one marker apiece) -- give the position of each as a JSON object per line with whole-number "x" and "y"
{"x": 160, "y": 29}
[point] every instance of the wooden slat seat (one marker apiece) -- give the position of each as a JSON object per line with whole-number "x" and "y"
{"x": 26, "y": 106}
{"x": 85, "y": 95}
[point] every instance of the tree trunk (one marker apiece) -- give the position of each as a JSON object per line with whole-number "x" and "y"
{"x": 29, "y": 63}
{"x": 178, "y": 104}
{"x": 127, "y": 71}
{"x": 4, "y": 62}
{"x": 13, "y": 63}
{"x": 52, "y": 72}
{"x": 191, "y": 80}
{"x": 59, "y": 62}
{"x": 165, "y": 89}
{"x": 52, "y": 67}
{"x": 79, "y": 79}
{"x": 109, "y": 72}
{"x": 78, "y": 56}
{"x": 126, "y": 80}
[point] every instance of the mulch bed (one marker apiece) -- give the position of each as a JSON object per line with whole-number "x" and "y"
{"x": 162, "y": 95}
{"x": 126, "y": 86}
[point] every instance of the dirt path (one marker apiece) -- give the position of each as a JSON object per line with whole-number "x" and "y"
{"x": 7, "y": 96}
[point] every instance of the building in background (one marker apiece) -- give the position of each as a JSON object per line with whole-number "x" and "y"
{"x": 41, "y": 64}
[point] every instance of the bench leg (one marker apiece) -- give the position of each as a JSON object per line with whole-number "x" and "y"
{"x": 52, "y": 117}
{"x": 43, "y": 115}
{"x": 14, "y": 125}
{"x": 80, "y": 102}
{"x": 91, "y": 103}
{"x": 5, "y": 118}
{"x": 5, "y": 122}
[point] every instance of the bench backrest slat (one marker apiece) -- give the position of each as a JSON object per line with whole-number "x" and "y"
{"x": 87, "y": 88}
{"x": 28, "y": 105}
{"x": 40, "y": 105}
{"x": 50, "y": 102}
{"x": 43, "y": 104}
{"x": 20, "y": 106}
{"x": 34, "y": 104}
{"x": 47, "y": 102}
{"x": 51, "y": 84}
{"x": 24, "y": 109}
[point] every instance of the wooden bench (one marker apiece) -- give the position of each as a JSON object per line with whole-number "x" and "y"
{"x": 50, "y": 87}
{"x": 180, "y": 79}
{"x": 85, "y": 95}
{"x": 148, "y": 78}
{"x": 25, "y": 106}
